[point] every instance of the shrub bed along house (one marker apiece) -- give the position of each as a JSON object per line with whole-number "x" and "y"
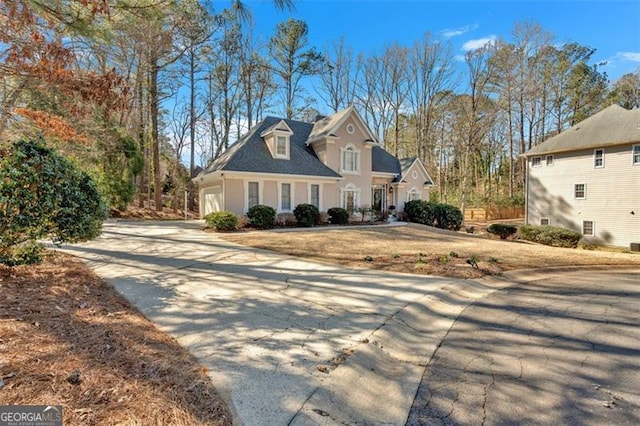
{"x": 262, "y": 217}
{"x": 503, "y": 230}
{"x": 443, "y": 216}
{"x": 307, "y": 215}
{"x": 556, "y": 236}
{"x": 338, "y": 216}
{"x": 222, "y": 221}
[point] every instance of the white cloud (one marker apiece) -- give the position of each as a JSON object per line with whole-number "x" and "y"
{"x": 478, "y": 43}
{"x": 629, "y": 56}
{"x": 448, "y": 33}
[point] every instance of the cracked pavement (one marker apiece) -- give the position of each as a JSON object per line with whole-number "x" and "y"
{"x": 559, "y": 350}
{"x": 286, "y": 340}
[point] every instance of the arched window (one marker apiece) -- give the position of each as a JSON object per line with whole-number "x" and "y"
{"x": 413, "y": 194}
{"x": 350, "y": 160}
{"x": 350, "y": 197}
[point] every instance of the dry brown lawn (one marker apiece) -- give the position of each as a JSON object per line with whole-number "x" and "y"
{"x": 425, "y": 250}
{"x": 68, "y": 338}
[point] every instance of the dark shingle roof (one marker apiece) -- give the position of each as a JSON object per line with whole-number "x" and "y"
{"x": 250, "y": 153}
{"x": 614, "y": 125}
{"x": 383, "y": 162}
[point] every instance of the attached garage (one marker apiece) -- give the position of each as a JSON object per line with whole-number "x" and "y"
{"x": 212, "y": 199}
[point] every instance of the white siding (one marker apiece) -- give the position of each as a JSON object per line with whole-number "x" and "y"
{"x": 612, "y": 193}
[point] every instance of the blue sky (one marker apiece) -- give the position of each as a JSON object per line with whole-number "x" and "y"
{"x": 612, "y": 27}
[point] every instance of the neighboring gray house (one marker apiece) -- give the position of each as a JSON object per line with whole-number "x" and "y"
{"x": 587, "y": 178}
{"x": 332, "y": 162}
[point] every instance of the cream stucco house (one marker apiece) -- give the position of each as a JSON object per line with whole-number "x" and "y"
{"x": 332, "y": 162}
{"x": 587, "y": 178}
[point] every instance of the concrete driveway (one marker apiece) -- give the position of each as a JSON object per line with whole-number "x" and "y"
{"x": 286, "y": 341}
{"x": 558, "y": 350}
{"x": 289, "y": 341}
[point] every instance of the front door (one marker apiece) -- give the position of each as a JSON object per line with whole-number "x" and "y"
{"x": 379, "y": 197}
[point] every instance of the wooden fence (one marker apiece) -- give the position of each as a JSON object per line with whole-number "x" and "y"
{"x": 494, "y": 213}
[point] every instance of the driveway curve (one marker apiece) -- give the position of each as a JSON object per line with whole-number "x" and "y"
{"x": 286, "y": 340}
{"x": 290, "y": 341}
{"x": 560, "y": 350}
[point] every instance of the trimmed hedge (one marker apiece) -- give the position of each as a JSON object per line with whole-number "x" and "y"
{"x": 222, "y": 221}
{"x": 556, "y": 236}
{"x": 503, "y": 230}
{"x": 338, "y": 216}
{"x": 307, "y": 215}
{"x": 262, "y": 217}
{"x": 443, "y": 216}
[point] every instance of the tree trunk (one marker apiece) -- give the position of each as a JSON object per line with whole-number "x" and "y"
{"x": 192, "y": 124}
{"x": 141, "y": 131}
{"x": 155, "y": 142}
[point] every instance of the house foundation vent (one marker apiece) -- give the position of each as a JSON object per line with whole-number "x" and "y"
{"x": 634, "y": 246}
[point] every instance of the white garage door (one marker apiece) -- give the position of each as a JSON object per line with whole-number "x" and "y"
{"x": 213, "y": 199}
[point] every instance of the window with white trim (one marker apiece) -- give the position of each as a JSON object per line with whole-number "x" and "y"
{"x": 636, "y": 155}
{"x": 588, "y": 228}
{"x": 282, "y": 146}
{"x": 253, "y": 194}
{"x": 349, "y": 197}
{"x": 598, "y": 158}
{"x": 544, "y": 221}
{"x": 350, "y": 160}
{"x": 536, "y": 161}
{"x": 413, "y": 195}
{"x": 314, "y": 195}
{"x": 549, "y": 160}
{"x": 580, "y": 191}
{"x": 285, "y": 197}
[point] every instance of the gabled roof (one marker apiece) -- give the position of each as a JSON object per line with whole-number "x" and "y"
{"x": 250, "y": 153}
{"x": 329, "y": 125}
{"x": 406, "y": 163}
{"x": 612, "y": 126}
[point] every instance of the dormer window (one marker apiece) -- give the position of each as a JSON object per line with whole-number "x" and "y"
{"x": 278, "y": 140}
{"x": 282, "y": 146}
{"x": 350, "y": 160}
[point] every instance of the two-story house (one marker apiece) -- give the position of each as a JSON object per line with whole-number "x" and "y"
{"x": 587, "y": 178}
{"x": 332, "y": 162}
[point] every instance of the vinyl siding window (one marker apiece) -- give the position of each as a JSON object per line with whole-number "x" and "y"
{"x": 314, "y": 195}
{"x": 588, "y": 228}
{"x": 580, "y": 191}
{"x": 253, "y": 194}
{"x": 285, "y": 197}
{"x": 544, "y": 221}
{"x": 598, "y": 158}
{"x": 636, "y": 155}
{"x": 536, "y": 161}
{"x": 549, "y": 160}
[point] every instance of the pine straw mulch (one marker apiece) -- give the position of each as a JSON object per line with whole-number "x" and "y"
{"x": 149, "y": 212}
{"x": 68, "y": 338}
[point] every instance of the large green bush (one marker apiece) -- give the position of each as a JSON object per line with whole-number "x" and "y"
{"x": 556, "y": 236}
{"x": 338, "y": 216}
{"x": 262, "y": 217}
{"x": 307, "y": 215}
{"x": 503, "y": 230}
{"x": 222, "y": 221}
{"x": 440, "y": 215}
{"x": 44, "y": 195}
